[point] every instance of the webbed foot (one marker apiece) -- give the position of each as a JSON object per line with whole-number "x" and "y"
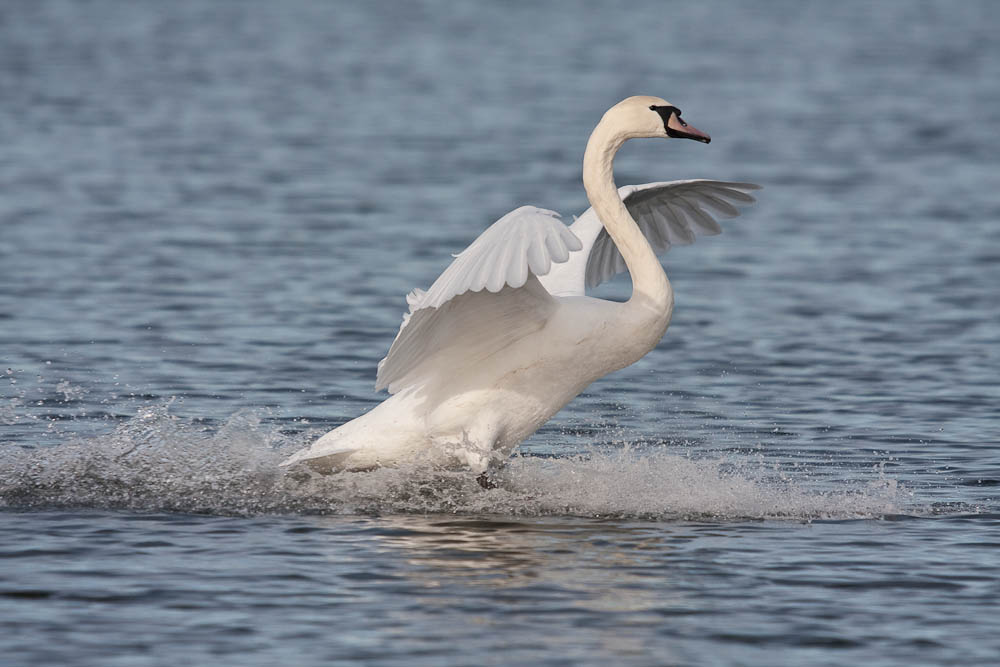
{"x": 486, "y": 481}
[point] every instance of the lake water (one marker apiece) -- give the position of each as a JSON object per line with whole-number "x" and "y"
{"x": 211, "y": 213}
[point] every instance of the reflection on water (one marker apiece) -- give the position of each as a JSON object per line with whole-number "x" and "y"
{"x": 580, "y": 570}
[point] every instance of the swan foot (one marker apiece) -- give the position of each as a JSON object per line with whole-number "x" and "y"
{"x": 486, "y": 481}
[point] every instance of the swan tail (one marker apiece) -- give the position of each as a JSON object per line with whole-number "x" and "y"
{"x": 321, "y": 459}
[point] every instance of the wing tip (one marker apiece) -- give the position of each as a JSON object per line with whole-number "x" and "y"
{"x": 741, "y": 185}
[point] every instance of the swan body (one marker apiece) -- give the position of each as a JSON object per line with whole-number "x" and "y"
{"x": 506, "y": 336}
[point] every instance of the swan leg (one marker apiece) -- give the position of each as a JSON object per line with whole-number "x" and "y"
{"x": 469, "y": 442}
{"x": 487, "y": 481}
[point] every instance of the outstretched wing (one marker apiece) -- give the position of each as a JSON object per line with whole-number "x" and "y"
{"x": 668, "y": 214}
{"x": 485, "y": 300}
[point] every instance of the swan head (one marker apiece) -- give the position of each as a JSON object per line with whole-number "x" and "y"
{"x": 647, "y": 116}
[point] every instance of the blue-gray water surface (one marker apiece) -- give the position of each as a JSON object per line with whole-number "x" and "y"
{"x": 210, "y": 214}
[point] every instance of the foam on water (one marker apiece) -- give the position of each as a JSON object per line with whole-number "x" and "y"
{"x": 158, "y": 461}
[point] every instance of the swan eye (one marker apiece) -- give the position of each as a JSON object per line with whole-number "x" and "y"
{"x": 665, "y": 113}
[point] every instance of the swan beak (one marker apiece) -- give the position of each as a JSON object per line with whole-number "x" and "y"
{"x": 678, "y": 129}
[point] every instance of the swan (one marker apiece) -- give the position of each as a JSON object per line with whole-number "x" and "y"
{"x": 506, "y": 336}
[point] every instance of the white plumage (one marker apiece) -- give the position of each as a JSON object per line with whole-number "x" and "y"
{"x": 520, "y": 245}
{"x": 506, "y": 336}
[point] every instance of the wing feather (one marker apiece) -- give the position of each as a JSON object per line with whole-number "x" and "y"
{"x": 517, "y": 273}
{"x": 538, "y": 258}
{"x": 682, "y": 232}
{"x": 720, "y": 205}
{"x": 703, "y": 222}
{"x": 441, "y": 343}
{"x": 557, "y": 249}
{"x": 732, "y": 194}
{"x": 488, "y": 298}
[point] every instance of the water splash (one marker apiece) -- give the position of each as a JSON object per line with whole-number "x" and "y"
{"x": 158, "y": 461}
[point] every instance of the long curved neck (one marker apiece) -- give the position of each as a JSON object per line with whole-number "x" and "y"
{"x": 648, "y": 279}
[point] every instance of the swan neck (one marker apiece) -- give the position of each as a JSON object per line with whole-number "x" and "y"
{"x": 649, "y": 282}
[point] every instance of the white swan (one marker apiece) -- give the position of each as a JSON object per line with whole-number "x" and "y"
{"x": 506, "y": 337}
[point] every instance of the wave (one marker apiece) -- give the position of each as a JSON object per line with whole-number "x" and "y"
{"x": 157, "y": 461}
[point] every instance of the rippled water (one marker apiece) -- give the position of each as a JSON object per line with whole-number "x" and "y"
{"x": 211, "y": 213}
